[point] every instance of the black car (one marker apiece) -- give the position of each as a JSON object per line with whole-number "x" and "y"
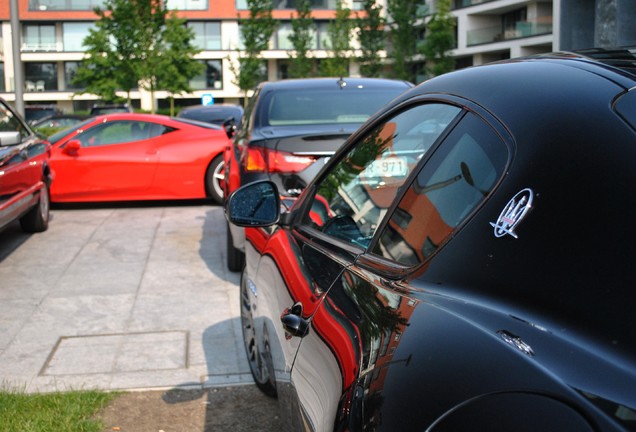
{"x": 35, "y": 113}
{"x": 100, "y": 109}
{"x": 464, "y": 262}
{"x": 218, "y": 114}
{"x": 292, "y": 127}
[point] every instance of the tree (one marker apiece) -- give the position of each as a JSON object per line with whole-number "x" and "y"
{"x": 439, "y": 41}
{"x": 404, "y": 15}
{"x": 301, "y": 38}
{"x": 176, "y": 66}
{"x": 256, "y": 31}
{"x": 125, "y": 49}
{"x": 371, "y": 37}
{"x": 339, "y": 30}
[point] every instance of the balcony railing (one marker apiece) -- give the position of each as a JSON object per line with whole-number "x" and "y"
{"x": 458, "y": 4}
{"x": 522, "y": 29}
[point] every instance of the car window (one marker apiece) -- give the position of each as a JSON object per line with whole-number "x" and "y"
{"x": 322, "y": 106}
{"x": 11, "y": 123}
{"x": 453, "y": 182}
{"x": 120, "y": 132}
{"x": 352, "y": 199}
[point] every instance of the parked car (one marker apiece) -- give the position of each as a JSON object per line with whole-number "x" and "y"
{"x": 25, "y": 173}
{"x": 100, "y": 109}
{"x": 291, "y": 127}
{"x": 55, "y": 123}
{"x": 218, "y": 114}
{"x": 465, "y": 262}
{"x": 35, "y": 113}
{"x": 126, "y": 156}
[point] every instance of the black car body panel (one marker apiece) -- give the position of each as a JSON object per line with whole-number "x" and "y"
{"x": 487, "y": 287}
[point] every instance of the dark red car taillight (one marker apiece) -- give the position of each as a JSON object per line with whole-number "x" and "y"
{"x": 260, "y": 159}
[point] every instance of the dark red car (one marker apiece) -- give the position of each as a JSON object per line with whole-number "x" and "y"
{"x": 25, "y": 175}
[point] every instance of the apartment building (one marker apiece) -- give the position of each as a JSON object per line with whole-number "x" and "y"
{"x": 52, "y": 32}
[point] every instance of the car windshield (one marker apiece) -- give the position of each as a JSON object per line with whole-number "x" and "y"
{"x": 61, "y": 134}
{"x": 323, "y": 106}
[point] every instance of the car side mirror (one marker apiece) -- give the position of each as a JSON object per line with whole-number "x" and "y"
{"x": 8, "y": 138}
{"x": 230, "y": 127}
{"x": 254, "y": 205}
{"x": 72, "y": 147}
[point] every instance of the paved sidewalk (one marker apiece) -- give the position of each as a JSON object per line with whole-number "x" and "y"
{"x": 120, "y": 298}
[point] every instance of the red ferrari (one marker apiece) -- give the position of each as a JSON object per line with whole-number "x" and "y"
{"x": 126, "y": 156}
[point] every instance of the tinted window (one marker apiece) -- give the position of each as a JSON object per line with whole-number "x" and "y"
{"x": 350, "y": 202}
{"x": 119, "y": 132}
{"x": 322, "y": 106}
{"x": 456, "y": 179}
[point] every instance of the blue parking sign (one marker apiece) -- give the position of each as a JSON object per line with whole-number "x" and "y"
{"x": 207, "y": 99}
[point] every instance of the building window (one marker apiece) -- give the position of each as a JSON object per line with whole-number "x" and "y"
{"x": 39, "y": 37}
{"x": 315, "y": 4}
{"x": 70, "y": 69}
{"x": 187, "y": 4}
{"x": 40, "y": 76}
{"x": 207, "y": 35}
{"x": 291, "y": 4}
{"x": 45, "y": 5}
{"x": 2, "y": 87}
{"x": 319, "y": 36}
{"x": 73, "y": 35}
{"x": 211, "y": 78}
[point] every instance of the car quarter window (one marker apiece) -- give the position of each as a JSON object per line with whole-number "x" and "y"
{"x": 453, "y": 182}
{"x": 351, "y": 200}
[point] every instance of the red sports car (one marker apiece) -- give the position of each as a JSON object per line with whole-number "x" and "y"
{"x": 126, "y": 156}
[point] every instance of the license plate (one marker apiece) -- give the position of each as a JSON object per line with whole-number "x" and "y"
{"x": 392, "y": 166}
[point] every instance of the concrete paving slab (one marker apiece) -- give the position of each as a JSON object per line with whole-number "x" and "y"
{"x": 119, "y": 298}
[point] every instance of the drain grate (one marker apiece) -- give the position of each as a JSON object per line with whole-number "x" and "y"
{"x": 117, "y": 353}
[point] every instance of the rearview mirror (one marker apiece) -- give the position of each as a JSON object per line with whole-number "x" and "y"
{"x": 254, "y": 205}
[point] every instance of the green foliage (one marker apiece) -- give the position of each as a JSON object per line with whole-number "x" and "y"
{"x": 256, "y": 32}
{"x": 339, "y": 30}
{"x": 404, "y": 14}
{"x": 371, "y": 37}
{"x": 68, "y": 411}
{"x": 176, "y": 66}
{"x": 127, "y": 46}
{"x": 303, "y": 28}
{"x": 440, "y": 40}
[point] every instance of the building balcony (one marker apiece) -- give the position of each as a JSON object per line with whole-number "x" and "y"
{"x": 458, "y": 4}
{"x": 522, "y": 29}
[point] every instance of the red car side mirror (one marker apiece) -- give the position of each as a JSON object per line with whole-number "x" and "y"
{"x": 72, "y": 147}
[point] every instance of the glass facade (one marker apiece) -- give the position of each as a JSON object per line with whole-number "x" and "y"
{"x": 40, "y": 76}
{"x": 45, "y": 5}
{"x": 73, "y": 35}
{"x": 211, "y": 78}
{"x": 207, "y": 34}
{"x": 38, "y": 37}
{"x": 187, "y": 4}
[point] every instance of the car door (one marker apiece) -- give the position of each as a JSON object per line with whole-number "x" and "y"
{"x": 333, "y": 225}
{"x": 114, "y": 160}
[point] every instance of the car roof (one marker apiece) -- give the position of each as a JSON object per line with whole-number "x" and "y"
{"x": 304, "y": 83}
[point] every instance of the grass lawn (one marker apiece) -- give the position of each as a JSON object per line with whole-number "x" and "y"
{"x": 44, "y": 412}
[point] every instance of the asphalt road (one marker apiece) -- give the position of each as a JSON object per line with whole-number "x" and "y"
{"x": 133, "y": 296}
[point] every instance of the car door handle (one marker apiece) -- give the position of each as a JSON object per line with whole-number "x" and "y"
{"x": 293, "y": 322}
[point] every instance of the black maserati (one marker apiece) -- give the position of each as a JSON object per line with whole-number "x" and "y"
{"x": 466, "y": 261}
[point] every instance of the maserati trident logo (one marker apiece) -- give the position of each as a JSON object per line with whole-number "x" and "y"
{"x": 513, "y": 213}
